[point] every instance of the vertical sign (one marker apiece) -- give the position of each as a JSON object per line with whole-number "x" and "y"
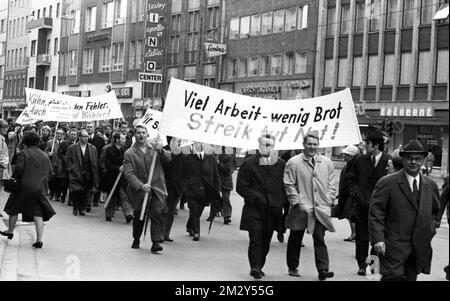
{"x": 155, "y": 34}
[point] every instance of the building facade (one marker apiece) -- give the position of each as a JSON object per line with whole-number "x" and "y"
{"x": 44, "y": 31}
{"x": 3, "y": 35}
{"x": 270, "y": 48}
{"x": 101, "y": 49}
{"x": 17, "y": 58}
{"x": 395, "y": 59}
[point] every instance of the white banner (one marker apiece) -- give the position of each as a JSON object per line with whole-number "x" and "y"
{"x": 48, "y": 106}
{"x": 24, "y": 118}
{"x": 151, "y": 120}
{"x": 213, "y": 49}
{"x": 218, "y": 117}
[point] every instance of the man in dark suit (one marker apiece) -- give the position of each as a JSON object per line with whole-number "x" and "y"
{"x": 364, "y": 174}
{"x": 98, "y": 141}
{"x": 202, "y": 185}
{"x": 61, "y": 154}
{"x": 82, "y": 165}
{"x": 57, "y": 179}
{"x": 403, "y": 215}
{"x": 444, "y": 204}
{"x": 260, "y": 183}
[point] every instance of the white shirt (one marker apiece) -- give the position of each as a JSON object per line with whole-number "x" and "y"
{"x": 83, "y": 148}
{"x": 377, "y": 158}
{"x": 411, "y": 181}
{"x": 201, "y": 154}
{"x": 144, "y": 149}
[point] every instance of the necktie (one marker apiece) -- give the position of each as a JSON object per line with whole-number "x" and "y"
{"x": 416, "y": 191}
{"x": 373, "y": 161}
{"x": 313, "y": 162}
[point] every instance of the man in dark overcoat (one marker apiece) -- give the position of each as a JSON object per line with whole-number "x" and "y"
{"x": 61, "y": 154}
{"x": 99, "y": 142}
{"x": 56, "y": 184}
{"x": 137, "y": 163}
{"x": 444, "y": 205}
{"x": 403, "y": 216}
{"x": 260, "y": 183}
{"x": 82, "y": 165}
{"x": 364, "y": 174}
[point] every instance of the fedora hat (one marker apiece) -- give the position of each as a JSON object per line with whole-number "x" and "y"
{"x": 413, "y": 147}
{"x": 374, "y": 135}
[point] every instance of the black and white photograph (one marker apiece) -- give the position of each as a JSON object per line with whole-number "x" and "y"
{"x": 224, "y": 147}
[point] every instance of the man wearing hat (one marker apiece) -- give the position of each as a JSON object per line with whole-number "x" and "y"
{"x": 365, "y": 173}
{"x": 403, "y": 216}
{"x": 99, "y": 142}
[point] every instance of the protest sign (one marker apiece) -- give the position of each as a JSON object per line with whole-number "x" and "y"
{"x": 24, "y": 118}
{"x": 48, "y": 106}
{"x": 218, "y": 117}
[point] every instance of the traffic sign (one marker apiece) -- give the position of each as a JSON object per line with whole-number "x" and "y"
{"x": 150, "y": 77}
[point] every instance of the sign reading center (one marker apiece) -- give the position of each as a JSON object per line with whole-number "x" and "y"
{"x": 150, "y": 77}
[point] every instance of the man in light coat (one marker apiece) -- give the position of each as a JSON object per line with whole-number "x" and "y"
{"x": 403, "y": 216}
{"x": 310, "y": 188}
{"x": 137, "y": 162}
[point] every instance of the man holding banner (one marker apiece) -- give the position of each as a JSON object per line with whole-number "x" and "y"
{"x": 136, "y": 167}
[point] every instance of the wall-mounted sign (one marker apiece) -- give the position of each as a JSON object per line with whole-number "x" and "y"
{"x": 261, "y": 90}
{"x": 78, "y": 93}
{"x": 150, "y": 66}
{"x": 125, "y": 92}
{"x": 406, "y": 110}
{"x": 155, "y": 34}
{"x": 150, "y": 77}
{"x": 300, "y": 85}
{"x": 97, "y": 37}
{"x": 213, "y": 49}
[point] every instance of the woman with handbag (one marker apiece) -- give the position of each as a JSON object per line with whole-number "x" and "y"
{"x": 32, "y": 171}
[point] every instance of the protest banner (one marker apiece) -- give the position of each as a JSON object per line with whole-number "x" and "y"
{"x": 218, "y": 117}
{"x": 48, "y": 106}
{"x": 25, "y": 119}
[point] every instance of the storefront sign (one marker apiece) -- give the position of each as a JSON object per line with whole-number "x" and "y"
{"x": 261, "y": 90}
{"x": 150, "y": 77}
{"x": 155, "y": 32}
{"x": 300, "y": 85}
{"x": 125, "y": 92}
{"x": 97, "y": 37}
{"x": 213, "y": 49}
{"x": 406, "y": 110}
{"x": 78, "y": 93}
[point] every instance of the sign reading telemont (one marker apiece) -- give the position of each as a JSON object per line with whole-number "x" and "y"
{"x": 213, "y": 49}
{"x": 208, "y": 115}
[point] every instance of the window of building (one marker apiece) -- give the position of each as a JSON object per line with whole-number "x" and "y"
{"x": 58, "y": 9}
{"x": 300, "y": 62}
{"x": 360, "y": 16}
{"x": 255, "y": 25}
{"x": 266, "y": 26}
{"x": 329, "y": 71}
{"x": 134, "y": 11}
{"x": 291, "y": 19}
{"x": 331, "y": 23}
{"x": 192, "y": 45}
{"x": 357, "y": 71}
{"x": 190, "y": 73}
{"x": 141, "y": 10}
{"x": 408, "y": 13}
{"x": 20, "y": 57}
{"x": 302, "y": 21}
{"x": 234, "y": 28}
{"x": 278, "y": 21}
{"x": 213, "y": 17}
{"x": 231, "y": 69}
{"x": 31, "y": 82}
{"x": 176, "y": 22}
{"x": 372, "y": 70}
{"x": 242, "y": 67}
{"x": 253, "y": 66}
{"x": 120, "y": 13}
{"x": 423, "y": 68}
{"x": 105, "y": 59}
{"x": 54, "y": 84}
{"x": 176, "y": 6}
{"x": 375, "y": 15}
{"x": 442, "y": 66}
{"x": 426, "y": 12}
{"x": 33, "y": 48}
{"x": 2, "y": 72}
{"x": 392, "y": 14}
{"x": 288, "y": 63}
{"x": 50, "y": 11}
{"x": 118, "y": 55}
{"x": 193, "y": 21}
{"x": 75, "y": 22}
{"x": 264, "y": 65}
{"x": 139, "y": 56}
{"x": 108, "y": 14}
{"x": 193, "y": 4}
{"x": 46, "y": 82}
{"x": 389, "y": 67}
{"x": 47, "y": 46}
{"x": 346, "y": 20}
{"x": 88, "y": 61}
{"x": 44, "y": 14}
{"x": 209, "y": 74}
{"x": 275, "y": 68}
{"x": 342, "y": 72}
{"x": 62, "y": 64}
{"x": 73, "y": 62}
{"x": 405, "y": 70}
{"x": 56, "y": 46}
{"x": 245, "y": 27}
{"x": 174, "y": 48}
{"x": 91, "y": 17}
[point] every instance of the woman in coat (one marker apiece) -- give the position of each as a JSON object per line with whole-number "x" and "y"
{"x": 32, "y": 172}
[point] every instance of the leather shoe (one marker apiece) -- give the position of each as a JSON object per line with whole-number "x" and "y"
{"x": 156, "y": 247}
{"x": 167, "y": 238}
{"x": 294, "y": 273}
{"x": 81, "y": 212}
{"x": 323, "y": 275}
{"x": 108, "y": 219}
{"x": 227, "y": 221}
{"x": 75, "y": 212}
{"x": 196, "y": 237}
{"x": 362, "y": 272}
{"x": 135, "y": 244}
{"x": 262, "y": 273}
{"x": 255, "y": 273}
{"x": 129, "y": 219}
{"x": 9, "y": 235}
{"x": 280, "y": 237}
{"x": 88, "y": 209}
{"x": 191, "y": 232}
{"x": 38, "y": 245}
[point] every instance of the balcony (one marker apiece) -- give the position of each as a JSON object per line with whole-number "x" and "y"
{"x": 43, "y": 23}
{"x": 44, "y": 60}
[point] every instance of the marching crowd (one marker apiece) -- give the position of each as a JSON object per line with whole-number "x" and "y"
{"x": 392, "y": 207}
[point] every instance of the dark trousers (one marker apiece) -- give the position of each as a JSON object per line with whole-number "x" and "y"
{"x": 320, "y": 249}
{"x": 154, "y": 208}
{"x": 259, "y": 247}
{"x": 226, "y": 204}
{"x": 196, "y": 208}
{"x": 80, "y": 199}
{"x": 64, "y": 188}
{"x": 362, "y": 242}
{"x": 172, "y": 200}
{"x": 52, "y": 187}
{"x": 410, "y": 271}
{"x": 60, "y": 188}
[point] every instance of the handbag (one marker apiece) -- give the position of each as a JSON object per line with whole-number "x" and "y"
{"x": 11, "y": 185}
